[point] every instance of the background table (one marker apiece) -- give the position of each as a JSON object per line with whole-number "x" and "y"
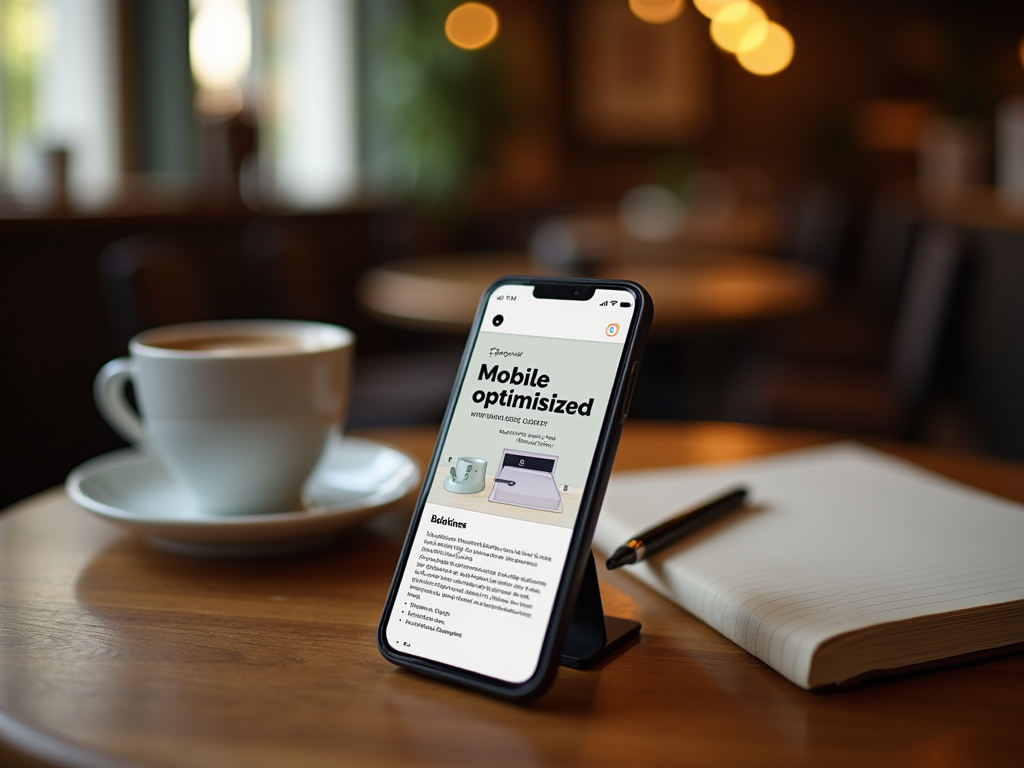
{"x": 441, "y": 293}
{"x": 112, "y": 653}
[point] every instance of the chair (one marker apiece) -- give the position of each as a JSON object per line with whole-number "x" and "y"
{"x": 882, "y": 399}
{"x": 890, "y": 234}
{"x": 856, "y": 327}
{"x": 985, "y": 365}
{"x": 285, "y": 276}
{"x": 151, "y": 280}
{"x": 820, "y": 226}
{"x": 270, "y": 269}
{"x": 290, "y": 280}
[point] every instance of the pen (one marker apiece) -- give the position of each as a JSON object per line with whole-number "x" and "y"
{"x": 659, "y": 537}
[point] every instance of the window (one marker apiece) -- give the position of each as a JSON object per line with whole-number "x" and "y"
{"x": 59, "y": 101}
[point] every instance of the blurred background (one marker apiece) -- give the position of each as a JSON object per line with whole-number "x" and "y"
{"x": 825, "y": 199}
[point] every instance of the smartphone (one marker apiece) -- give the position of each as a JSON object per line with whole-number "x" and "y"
{"x": 500, "y": 535}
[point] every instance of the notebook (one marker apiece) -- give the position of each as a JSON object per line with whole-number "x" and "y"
{"x": 849, "y": 562}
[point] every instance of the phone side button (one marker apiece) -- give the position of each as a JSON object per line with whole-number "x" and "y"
{"x": 630, "y": 387}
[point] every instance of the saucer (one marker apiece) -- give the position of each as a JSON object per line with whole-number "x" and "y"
{"x": 355, "y": 480}
{"x": 451, "y": 486}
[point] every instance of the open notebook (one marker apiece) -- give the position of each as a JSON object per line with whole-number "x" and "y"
{"x": 851, "y": 562}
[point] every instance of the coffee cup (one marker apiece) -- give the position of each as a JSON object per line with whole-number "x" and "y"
{"x": 238, "y": 411}
{"x": 467, "y": 476}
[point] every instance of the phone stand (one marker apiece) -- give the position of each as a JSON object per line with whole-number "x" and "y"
{"x": 592, "y": 635}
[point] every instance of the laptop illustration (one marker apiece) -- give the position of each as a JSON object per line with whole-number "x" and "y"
{"x": 527, "y": 480}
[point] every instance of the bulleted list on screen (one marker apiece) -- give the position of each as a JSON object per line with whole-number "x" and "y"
{"x": 478, "y": 591}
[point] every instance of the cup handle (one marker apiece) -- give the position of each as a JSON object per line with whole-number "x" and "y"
{"x": 109, "y": 392}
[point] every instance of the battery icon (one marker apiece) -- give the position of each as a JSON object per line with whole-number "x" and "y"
{"x": 625, "y": 304}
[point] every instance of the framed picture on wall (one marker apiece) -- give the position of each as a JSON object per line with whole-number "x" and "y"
{"x": 632, "y": 83}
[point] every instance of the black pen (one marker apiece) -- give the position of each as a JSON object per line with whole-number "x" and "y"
{"x": 659, "y": 537}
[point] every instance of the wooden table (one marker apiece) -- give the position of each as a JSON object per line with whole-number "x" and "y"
{"x": 699, "y": 288}
{"x": 112, "y": 653}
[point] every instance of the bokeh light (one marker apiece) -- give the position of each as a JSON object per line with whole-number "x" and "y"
{"x": 753, "y": 36}
{"x": 220, "y": 43}
{"x": 738, "y": 23}
{"x": 657, "y": 11}
{"x": 471, "y": 26}
{"x": 651, "y": 213}
{"x": 771, "y": 55}
{"x": 710, "y": 8}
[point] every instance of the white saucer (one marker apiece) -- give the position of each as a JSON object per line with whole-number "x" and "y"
{"x": 355, "y": 479}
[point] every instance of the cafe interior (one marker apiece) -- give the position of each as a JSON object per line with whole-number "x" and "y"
{"x": 829, "y": 213}
{"x": 825, "y": 201}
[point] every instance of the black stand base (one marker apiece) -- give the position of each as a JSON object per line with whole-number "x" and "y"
{"x": 592, "y": 635}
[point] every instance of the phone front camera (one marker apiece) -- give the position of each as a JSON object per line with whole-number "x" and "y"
{"x": 498, "y": 320}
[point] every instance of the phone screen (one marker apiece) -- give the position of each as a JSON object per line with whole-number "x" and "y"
{"x": 491, "y": 542}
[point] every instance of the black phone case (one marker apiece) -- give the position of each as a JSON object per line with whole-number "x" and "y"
{"x": 590, "y": 505}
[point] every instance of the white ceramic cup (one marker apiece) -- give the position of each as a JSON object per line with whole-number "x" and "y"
{"x": 238, "y": 411}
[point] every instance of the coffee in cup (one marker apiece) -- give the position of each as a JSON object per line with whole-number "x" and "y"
{"x": 238, "y": 411}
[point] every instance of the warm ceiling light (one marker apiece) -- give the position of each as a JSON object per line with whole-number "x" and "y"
{"x": 220, "y": 44}
{"x": 471, "y": 26}
{"x": 710, "y": 8}
{"x": 657, "y": 11}
{"x": 731, "y": 25}
{"x": 753, "y": 36}
{"x": 772, "y": 55}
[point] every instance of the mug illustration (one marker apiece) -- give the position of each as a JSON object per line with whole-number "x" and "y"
{"x": 469, "y": 475}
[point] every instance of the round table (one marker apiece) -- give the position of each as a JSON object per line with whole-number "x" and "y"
{"x": 441, "y": 293}
{"x": 114, "y": 654}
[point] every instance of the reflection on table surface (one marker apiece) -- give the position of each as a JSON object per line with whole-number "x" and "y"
{"x": 115, "y": 653}
{"x": 700, "y": 287}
